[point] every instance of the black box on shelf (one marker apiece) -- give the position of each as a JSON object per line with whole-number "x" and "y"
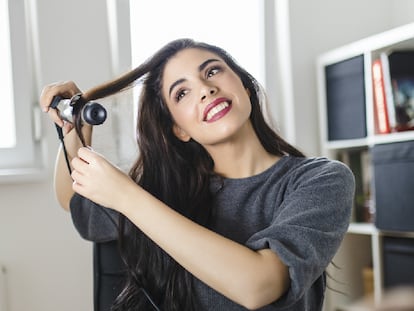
{"x": 394, "y": 185}
{"x": 398, "y": 258}
{"x": 345, "y": 97}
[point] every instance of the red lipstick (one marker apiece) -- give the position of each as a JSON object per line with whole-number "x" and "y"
{"x": 216, "y": 109}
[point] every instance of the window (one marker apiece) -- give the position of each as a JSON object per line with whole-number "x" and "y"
{"x": 237, "y": 26}
{"x": 20, "y": 144}
{"x": 234, "y": 25}
{"x": 7, "y": 124}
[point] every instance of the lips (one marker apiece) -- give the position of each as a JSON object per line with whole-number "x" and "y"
{"x": 216, "y": 109}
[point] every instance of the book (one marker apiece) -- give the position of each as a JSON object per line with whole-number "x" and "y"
{"x": 403, "y": 88}
{"x": 401, "y": 68}
{"x": 388, "y": 89}
{"x": 382, "y": 125}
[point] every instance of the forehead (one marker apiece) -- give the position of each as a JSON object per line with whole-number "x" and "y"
{"x": 187, "y": 60}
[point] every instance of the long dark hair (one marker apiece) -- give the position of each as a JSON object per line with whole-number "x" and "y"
{"x": 165, "y": 167}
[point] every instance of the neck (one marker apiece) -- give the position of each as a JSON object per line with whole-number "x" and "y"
{"x": 242, "y": 156}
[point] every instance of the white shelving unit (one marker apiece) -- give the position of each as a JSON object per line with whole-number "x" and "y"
{"x": 362, "y": 246}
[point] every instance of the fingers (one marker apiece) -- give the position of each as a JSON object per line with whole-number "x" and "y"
{"x": 88, "y": 173}
{"x": 87, "y": 154}
{"x": 85, "y": 157}
{"x": 54, "y": 116}
{"x": 80, "y": 166}
{"x": 97, "y": 179}
{"x": 62, "y": 89}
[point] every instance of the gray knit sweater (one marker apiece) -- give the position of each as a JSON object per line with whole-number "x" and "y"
{"x": 299, "y": 208}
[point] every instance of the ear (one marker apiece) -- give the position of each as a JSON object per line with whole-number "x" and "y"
{"x": 248, "y": 92}
{"x": 180, "y": 133}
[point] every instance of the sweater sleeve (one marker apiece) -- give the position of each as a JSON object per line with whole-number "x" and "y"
{"x": 92, "y": 221}
{"x": 309, "y": 226}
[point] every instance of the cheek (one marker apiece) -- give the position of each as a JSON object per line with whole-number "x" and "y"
{"x": 246, "y": 103}
{"x": 182, "y": 116}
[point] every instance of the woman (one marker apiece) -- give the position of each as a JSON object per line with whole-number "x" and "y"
{"x": 218, "y": 212}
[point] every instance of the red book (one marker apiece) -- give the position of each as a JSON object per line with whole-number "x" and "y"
{"x": 382, "y": 124}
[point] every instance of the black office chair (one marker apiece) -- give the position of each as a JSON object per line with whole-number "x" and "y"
{"x": 95, "y": 223}
{"x": 109, "y": 274}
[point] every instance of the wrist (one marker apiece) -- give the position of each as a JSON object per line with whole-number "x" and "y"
{"x": 130, "y": 198}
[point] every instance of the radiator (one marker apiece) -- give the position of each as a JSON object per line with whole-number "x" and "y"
{"x": 3, "y": 288}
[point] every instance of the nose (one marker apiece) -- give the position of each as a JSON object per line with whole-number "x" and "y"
{"x": 208, "y": 90}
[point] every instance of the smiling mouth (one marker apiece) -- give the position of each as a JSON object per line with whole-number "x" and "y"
{"x": 215, "y": 111}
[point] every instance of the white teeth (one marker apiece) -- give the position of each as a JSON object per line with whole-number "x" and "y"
{"x": 216, "y": 110}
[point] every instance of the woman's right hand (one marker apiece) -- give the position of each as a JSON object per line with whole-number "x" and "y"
{"x": 63, "y": 181}
{"x": 62, "y": 89}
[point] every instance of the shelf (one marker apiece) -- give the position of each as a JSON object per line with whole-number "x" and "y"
{"x": 366, "y": 142}
{"x": 362, "y": 228}
{"x": 370, "y": 229}
{"x": 346, "y": 144}
{"x": 343, "y": 82}
{"x": 400, "y": 234}
{"x": 392, "y": 137}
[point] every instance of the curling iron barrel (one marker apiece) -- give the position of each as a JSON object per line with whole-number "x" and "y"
{"x": 92, "y": 113}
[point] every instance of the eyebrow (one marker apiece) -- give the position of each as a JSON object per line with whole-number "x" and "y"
{"x": 201, "y": 67}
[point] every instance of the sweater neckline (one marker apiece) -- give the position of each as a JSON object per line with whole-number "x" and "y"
{"x": 219, "y": 180}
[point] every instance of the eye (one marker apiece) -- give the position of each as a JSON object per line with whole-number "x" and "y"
{"x": 180, "y": 94}
{"x": 213, "y": 71}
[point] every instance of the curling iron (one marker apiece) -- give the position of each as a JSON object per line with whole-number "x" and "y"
{"x": 92, "y": 113}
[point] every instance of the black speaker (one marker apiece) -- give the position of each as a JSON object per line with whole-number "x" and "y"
{"x": 394, "y": 185}
{"x": 345, "y": 96}
{"x": 398, "y": 261}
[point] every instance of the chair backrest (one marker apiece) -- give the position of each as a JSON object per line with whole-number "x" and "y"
{"x": 108, "y": 274}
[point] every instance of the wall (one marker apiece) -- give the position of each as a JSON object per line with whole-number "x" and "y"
{"x": 48, "y": 266}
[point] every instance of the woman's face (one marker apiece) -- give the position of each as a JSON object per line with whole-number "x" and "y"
{"x": 206, "y": 98}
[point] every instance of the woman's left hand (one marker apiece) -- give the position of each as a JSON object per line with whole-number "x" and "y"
{"x": 98, "y": 180}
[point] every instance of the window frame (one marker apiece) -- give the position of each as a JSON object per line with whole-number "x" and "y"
{"x": 25, "y": 161}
